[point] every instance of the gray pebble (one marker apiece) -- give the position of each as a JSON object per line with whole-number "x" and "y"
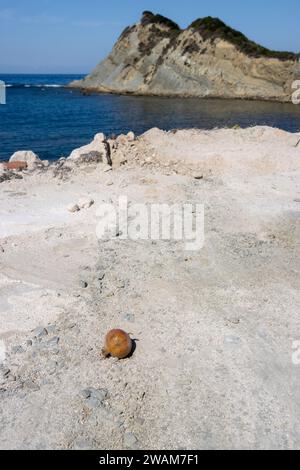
{"x": 100, "y": 394}
{"x": 4, "y": 372}
{"x": 51, "y": 329}
{"x": 129, "y": 440}
{"x": 128, "y": 317}
{"x": 86, "y": 393}
{"x": 101, "y": 275}
{"x": 31, "y": 386}
{"x": 53, "y": 342}
{"x": 51, "y": 367}
{"x": 93, "y": 402}
{"x": 29, "y": 342}
{"x": 83, "y": 284}
{"x": 140, "y": 421}
{"x": 296, "y": 200}
{"x": 83, "y": 444}
{"x": 232, "y": 339}
{"x": 40, "y": 332}
{"x": 234, "y": 320}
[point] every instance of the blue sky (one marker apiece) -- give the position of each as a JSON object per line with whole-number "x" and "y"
{"x": 72, "y": 36}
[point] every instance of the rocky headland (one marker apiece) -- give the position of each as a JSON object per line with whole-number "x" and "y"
{"x": 207, "y": 59}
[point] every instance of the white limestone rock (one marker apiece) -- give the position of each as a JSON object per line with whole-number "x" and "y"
{"x": 28, "y": 157}
{"x": 95, "y": 151}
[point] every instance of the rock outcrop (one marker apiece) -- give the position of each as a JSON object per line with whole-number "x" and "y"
{"x": 207, "y": 59}
{"x": 27, "y": 157}
{"x": 97, "y": 151}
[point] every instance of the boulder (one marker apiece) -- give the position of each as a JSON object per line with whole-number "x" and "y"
{"x": 131, "y": 136}
{"x": 121, "y": 139}
{"x": 27, "y": 156}
{"x": 96, "y": 151}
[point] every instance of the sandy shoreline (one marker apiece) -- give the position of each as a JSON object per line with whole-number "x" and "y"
{"x": 213, "y": 365}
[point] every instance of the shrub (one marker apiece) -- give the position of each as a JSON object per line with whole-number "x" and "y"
{"x": 214, "y": 28}
{"x": 149, "y": 18}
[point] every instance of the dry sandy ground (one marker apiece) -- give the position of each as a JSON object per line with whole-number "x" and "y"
{"x": 214, "y": 328}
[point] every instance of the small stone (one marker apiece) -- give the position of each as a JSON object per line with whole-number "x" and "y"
{"x": 5, "y": 372}
{"x": 40, "y": 332}
{"x": 130, "y": 136}
{"x": 100, "y": 394}
{"x": 31, "y": 386}
{"x": 83, "y": 284}
{"x": 83, "y": 444}
{"x": 73, "y": 208}
{"x": 1, "y": 249}
{"x": 234, "y": 320}
{"x": 93, "y": 402}
{"x": 86, "y": 393}
{"x": 232, "y": 339}
{"x": 101, "y": 275}
{"x": 198, "y": 177}
{"x": 29, "y": 342}
{"x": 51, "y": 329}
{"x": 85, "y": 203}
{"x": 53, "y": 341}
{"x": 129, "y": 317}
{"x": 129, "y": 440}
{"x": 51, "y": 367}
{"x": 297, "y": 200}
{"x": 140, "y": 421}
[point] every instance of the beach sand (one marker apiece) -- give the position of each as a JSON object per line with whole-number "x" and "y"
{"x": 215, "y": 328}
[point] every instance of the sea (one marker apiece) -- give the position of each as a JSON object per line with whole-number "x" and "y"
{"x": 44, "y": 115}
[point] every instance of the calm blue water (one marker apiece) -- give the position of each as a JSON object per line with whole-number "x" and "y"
{"x": 44, "y": 116}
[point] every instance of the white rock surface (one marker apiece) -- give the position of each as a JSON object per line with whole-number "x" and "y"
{"x": 94, "y": 151}
{"x": 215, "y": 328}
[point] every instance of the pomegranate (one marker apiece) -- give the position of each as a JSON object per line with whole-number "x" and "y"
{"x": 117, "y": 344}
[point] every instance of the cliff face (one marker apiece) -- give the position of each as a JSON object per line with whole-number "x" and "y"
{"x": 207, "y": 59}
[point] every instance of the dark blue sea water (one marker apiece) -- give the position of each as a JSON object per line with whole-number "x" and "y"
{"x": 43, "y": 115}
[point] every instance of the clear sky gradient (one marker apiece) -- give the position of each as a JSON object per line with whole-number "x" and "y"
{"x": 72, "y": 36}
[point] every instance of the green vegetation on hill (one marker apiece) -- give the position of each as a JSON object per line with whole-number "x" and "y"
{"x": 214, "y": 28}
{"x": 149, "y": 18}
